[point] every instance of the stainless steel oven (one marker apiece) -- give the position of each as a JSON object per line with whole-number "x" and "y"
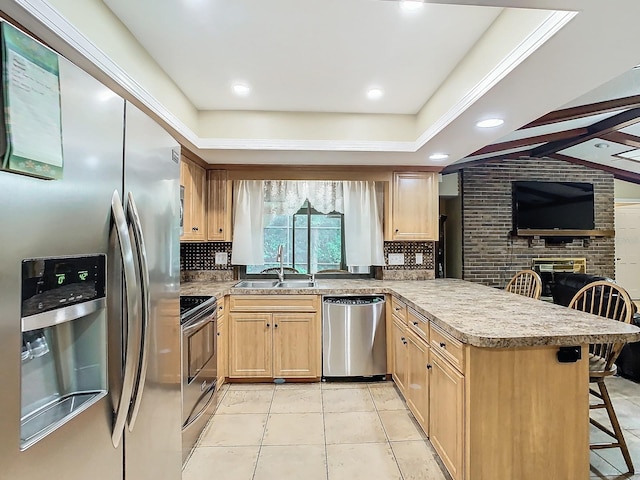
{"x": 199, "y": 366}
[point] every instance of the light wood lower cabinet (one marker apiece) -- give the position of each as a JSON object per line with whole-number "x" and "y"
{"x": 222, "y": 339}
{"x": 250, "y": 345}
{"x": 399, "y": 369}
{"x": 417, "y": 387}
{"x": 274, "y": 344}
{"x": 295, "y": 352}
{"x": 446, "y": 413}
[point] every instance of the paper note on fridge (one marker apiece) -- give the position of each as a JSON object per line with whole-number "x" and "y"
{"x": 32, "y": 106}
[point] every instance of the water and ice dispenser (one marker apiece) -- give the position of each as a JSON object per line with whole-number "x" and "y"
{"x": 64, "y": 341}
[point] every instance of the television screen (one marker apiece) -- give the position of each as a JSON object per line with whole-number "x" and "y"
{"x": 553, "y": 206}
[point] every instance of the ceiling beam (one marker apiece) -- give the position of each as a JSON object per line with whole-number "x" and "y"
{"x": 523, "y": 142}
{"x": 598, "y": 129}
{"x": 616, "y": 172}
{"x": 583, "y": 111}
{"x": 623, "y": 139}
{"x": 454, "y": 167}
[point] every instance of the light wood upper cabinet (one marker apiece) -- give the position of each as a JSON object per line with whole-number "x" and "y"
{"x": 218, "y": 207}
{"x": 414, "y": 207}
{"x": 194, "y": 180}
{"x": 446, "y": 413}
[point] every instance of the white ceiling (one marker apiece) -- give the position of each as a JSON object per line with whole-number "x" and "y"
{"x": 305, "y": 55}
{"x": 309, "y": 63}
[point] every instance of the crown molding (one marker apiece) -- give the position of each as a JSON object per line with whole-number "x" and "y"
{"x": 51, "y": 19}
{"x": 530, "y": 44}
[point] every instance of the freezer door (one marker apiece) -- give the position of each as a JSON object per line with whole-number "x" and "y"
{"x": 51, "y": 218}
{"x": 152, "y": 185}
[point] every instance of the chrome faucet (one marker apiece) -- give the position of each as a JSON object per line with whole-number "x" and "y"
{"x": 280, "y": 258}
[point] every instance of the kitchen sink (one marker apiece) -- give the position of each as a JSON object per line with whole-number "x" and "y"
{"x": 296, "y": 284}
{"x": 275, "y": 284}
{"x": 256, "y": 284}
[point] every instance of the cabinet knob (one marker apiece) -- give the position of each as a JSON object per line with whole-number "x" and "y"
{"x": 220, "y": 230}
{"x": 415, "y": 323}
{"x": 218, "y": 333}
{"x": 275, "y": 325}
{"x": 429, "y": 367}
{"x": 443, "y": 345}
{"x": 195, "y": 229}
{"x": 268, "y": 324}
{"x": 397, "y": 230}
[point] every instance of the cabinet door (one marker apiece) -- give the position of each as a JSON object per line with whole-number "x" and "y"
{"x": 193, "y": 179}
{"x": 446, "y": 414}
{"x": 250, "y": 345}
{"x": 417, "y": 393}
{"x": 218, "y": 218}
{"x": 414, "y": 209}
{"x": 222, "y": 351}
{"x": 296, "y": 340}
{"x": 399, "y": 372}
{"x": 198, "y": 200}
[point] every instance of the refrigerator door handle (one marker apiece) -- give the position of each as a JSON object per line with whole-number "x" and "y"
{"x": 132, "y": 213}
{"x": 132, "y": 308}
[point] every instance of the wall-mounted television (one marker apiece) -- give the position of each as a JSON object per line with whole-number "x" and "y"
{"x": 553, "y": 206}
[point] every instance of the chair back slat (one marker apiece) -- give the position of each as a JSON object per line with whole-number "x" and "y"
{"x": 608, "y": 300}
{"x": 526, "y": 283}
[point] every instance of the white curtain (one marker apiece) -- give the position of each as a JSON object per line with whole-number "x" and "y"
{"x": 285, "y": 197}
{"x": 248, "y": 223}
{"x": 363, "y": 224}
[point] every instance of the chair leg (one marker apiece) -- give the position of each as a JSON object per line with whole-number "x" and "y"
{"x": 622, "y": 444}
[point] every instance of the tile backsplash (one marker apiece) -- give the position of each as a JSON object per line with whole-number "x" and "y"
{"x": 202, "y": 256}
{"x": 409, "y": 251}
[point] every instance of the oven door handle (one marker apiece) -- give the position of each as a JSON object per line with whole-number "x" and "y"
{"x": 134, "y": 218}
{"x": 119, "y": 224}
{"x": 188, "y": 328}
{"x": 211, "y": 391}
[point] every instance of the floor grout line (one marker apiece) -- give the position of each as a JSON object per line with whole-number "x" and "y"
{"x": 264, "y": 432}
{"x": 324, "y": 431}
{"x": 393, "y": 453}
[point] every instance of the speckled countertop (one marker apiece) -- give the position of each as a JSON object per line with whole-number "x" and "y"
{"x": 474, "y": 314}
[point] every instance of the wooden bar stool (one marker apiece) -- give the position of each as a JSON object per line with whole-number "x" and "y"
{"x": 608, "y": 300}
{"x": 527, "y": 283}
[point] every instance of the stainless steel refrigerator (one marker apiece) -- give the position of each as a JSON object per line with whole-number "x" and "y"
{"x": 89, "y": 300}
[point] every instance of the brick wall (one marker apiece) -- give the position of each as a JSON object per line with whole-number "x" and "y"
{"x": 491, "y": 255}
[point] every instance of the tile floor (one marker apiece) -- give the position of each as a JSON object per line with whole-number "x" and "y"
{"x": 348, "y": 431}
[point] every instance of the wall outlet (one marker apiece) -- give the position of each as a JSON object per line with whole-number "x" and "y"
{"x": 222, "y": 258}
{"x": 418, "y": 259}
{"x": 396, "y": 259}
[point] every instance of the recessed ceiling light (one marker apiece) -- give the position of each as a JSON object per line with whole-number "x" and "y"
{"x": 411, "y": 5}
{"x": 241, "y": 89}
{"x": 601, "y": 145}
{"x": 374, "y": 93}
{"x": 439, "y": 156}
{"x": 490, "y": 122}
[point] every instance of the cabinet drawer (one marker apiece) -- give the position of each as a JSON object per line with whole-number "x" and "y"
{"x": 274, "y": 303}
{"x": 418, "y": 323}
{"x": 447, "y": 346}
{"x": 399, "y": 309}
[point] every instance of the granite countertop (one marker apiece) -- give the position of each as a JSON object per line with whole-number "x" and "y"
{"x": 472, "y": 313}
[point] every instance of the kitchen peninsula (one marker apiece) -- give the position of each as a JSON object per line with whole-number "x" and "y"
{"x": 496, "y": 401}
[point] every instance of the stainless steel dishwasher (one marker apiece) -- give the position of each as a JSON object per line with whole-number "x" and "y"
{"x": 353, "y": 336}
